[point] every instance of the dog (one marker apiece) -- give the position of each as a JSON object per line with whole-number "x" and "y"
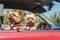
{"x": 15, "y": 18}
{"x": 30, "y": 20}
{"x": 44, "y": 26}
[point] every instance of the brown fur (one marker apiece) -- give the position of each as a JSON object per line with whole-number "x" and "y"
{"x": 14, "y": 17}
{"x": 30, "y": 20}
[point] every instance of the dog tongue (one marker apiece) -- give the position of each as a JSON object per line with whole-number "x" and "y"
{"x": 31, "y": 24}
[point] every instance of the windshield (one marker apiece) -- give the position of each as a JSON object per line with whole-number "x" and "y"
{"x": 54, "y": 13}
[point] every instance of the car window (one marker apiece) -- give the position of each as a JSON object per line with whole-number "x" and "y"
{"x": 54, "y": 14}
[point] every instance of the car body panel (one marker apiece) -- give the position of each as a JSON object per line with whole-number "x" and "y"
{"x": 29, "y": 36}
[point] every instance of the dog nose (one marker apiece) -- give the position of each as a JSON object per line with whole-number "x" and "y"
{"x": 30, "y": 21}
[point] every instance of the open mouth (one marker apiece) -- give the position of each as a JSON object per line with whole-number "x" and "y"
{"x": 30, "y": 24}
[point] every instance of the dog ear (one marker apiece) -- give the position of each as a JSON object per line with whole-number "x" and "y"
{"x": 8, "y": 13}
{"x": 25, "y": 14}
{"x": 36, "y": 14}
{"x": 20, "y": 12}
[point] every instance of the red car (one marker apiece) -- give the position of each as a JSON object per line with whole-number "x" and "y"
{"x": 52, "y": 32}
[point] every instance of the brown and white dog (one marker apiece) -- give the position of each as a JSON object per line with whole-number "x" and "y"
{"x": 30, "y": 20}
{"x": 14, "y": 18}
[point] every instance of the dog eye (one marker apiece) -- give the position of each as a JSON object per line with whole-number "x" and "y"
{"x": 32, "y": 18}
{"x": 28, "y": 18}
{"x": 13, "y": 14}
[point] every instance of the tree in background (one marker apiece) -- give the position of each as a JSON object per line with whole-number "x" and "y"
{"x": 55, "y": 18}
{"x": 5, "y": 21}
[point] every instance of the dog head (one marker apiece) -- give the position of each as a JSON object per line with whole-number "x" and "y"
{"x": 30, "y": 19}
{"x": 14, "y": 17}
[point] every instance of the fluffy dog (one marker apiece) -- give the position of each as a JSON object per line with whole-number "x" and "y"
{"x": 30, "y": 20}
{"x": 15, "y": 18}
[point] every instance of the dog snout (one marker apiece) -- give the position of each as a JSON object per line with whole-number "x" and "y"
{"x": 30, "y": 21}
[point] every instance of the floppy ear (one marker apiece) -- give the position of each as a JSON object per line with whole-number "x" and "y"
{"x": 35, "y": 14}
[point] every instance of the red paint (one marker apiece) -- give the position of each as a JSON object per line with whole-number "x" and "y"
{"x": 30, "y": 36}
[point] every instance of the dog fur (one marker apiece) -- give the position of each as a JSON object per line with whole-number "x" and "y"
{"x": 14, "y": 17}
{"x": 30, "y": 20}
